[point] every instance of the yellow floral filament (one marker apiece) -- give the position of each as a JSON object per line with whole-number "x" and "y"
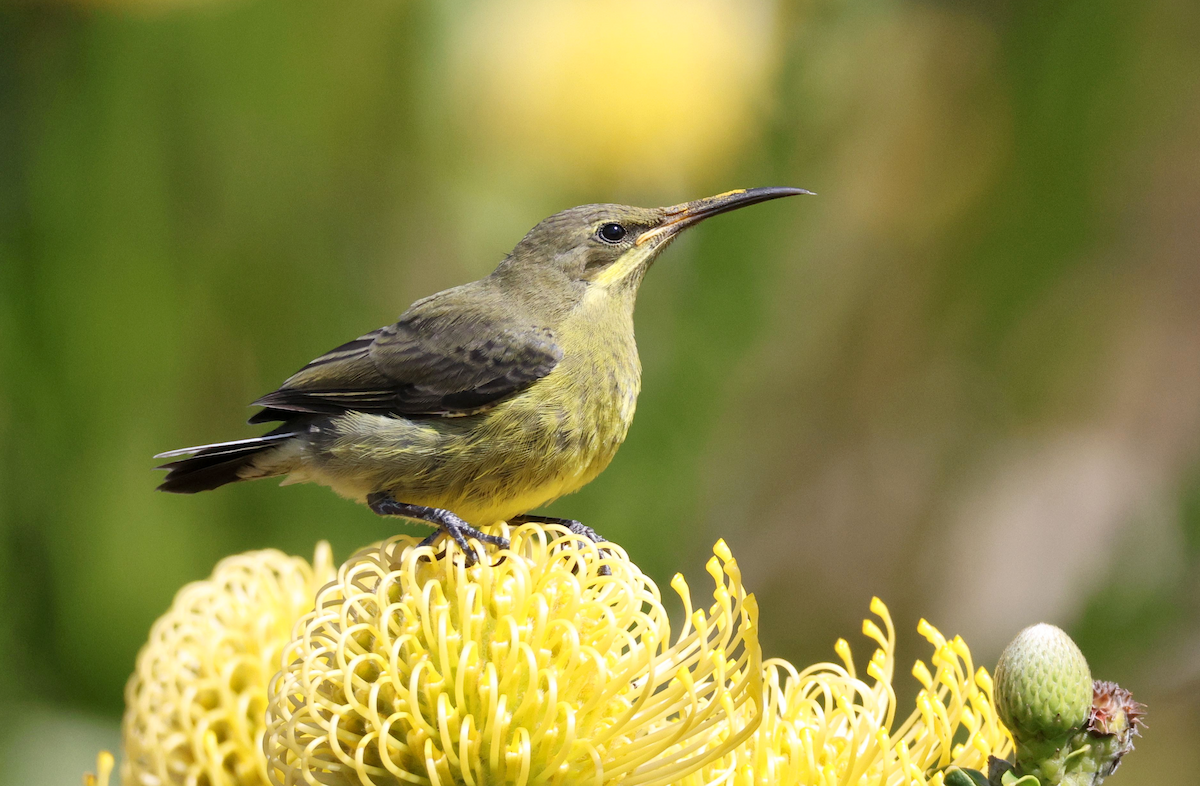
{"x": 104, "y": 768}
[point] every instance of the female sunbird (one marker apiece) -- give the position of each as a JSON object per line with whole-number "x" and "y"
{"x": 484, "y": 401}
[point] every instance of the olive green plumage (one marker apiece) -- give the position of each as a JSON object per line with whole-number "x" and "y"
{"x": 487, "y": 400}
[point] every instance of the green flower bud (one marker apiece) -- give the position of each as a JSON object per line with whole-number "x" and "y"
{"x": 1043, "y": 685}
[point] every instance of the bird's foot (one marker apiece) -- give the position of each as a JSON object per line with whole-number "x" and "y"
{"x": 447, "y": 523}
{"x": 574, "y": 526}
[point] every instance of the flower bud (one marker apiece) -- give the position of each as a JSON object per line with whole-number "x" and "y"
{"x": 1043, "y": 684}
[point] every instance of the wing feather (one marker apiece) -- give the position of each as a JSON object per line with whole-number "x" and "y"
{"x": 437, "y": 361}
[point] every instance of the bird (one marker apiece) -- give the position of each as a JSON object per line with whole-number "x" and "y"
{"x": 481, "y": 402}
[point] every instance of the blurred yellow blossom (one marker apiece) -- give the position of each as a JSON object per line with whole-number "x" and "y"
{"x": 553, "y": 664}
{"x": 635, "y": 92}
{"x": 826, "y": 725}
{"x": 195, "y": 705}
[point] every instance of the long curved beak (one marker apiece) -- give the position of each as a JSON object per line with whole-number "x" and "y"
{"x": 679, "y": 217}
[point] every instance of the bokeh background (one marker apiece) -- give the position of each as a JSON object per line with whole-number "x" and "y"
{"x": 965, "y": 378}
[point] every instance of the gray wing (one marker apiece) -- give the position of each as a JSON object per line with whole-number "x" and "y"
{"x": 437, "y": 361}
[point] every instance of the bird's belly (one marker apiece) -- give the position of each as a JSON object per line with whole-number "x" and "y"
{"x": 522, "y": 454}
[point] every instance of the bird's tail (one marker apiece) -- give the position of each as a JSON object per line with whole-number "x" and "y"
{"x": 209, "y": 466}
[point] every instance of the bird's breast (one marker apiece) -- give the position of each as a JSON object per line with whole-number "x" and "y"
{"x": 596, "y": 394}
{"x": 567, "y": 427}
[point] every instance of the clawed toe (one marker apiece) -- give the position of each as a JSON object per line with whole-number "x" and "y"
{"x": 576, "y": 528}
{"x": 587, "y": 532}
{"x": 384, "y": 504}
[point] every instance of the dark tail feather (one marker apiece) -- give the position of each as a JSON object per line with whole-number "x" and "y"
{"x": 211, "y": 466}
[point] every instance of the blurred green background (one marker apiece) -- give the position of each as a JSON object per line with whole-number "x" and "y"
{"x": 965, "y": 378}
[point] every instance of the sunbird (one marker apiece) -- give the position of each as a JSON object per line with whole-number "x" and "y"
{"x": 482, "y": 402}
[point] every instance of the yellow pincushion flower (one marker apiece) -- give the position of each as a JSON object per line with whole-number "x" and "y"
{"x": 824, "y": 725}
{"x": 539, "y": 668}
{"x": 196, "y": 703}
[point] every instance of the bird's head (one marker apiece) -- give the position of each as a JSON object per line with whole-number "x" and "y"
{"x": 610, "y": 247}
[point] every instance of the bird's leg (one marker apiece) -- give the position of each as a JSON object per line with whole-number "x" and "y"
{"x": 574, "y": 526}
{"x": 571, "y": 524}
{"x": 382, "y": 504}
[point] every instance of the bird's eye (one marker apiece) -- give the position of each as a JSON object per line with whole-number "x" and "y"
{"x": 611, "y": 233}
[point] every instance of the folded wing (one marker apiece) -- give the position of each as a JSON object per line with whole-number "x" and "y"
{"x": 439, "y": 360}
